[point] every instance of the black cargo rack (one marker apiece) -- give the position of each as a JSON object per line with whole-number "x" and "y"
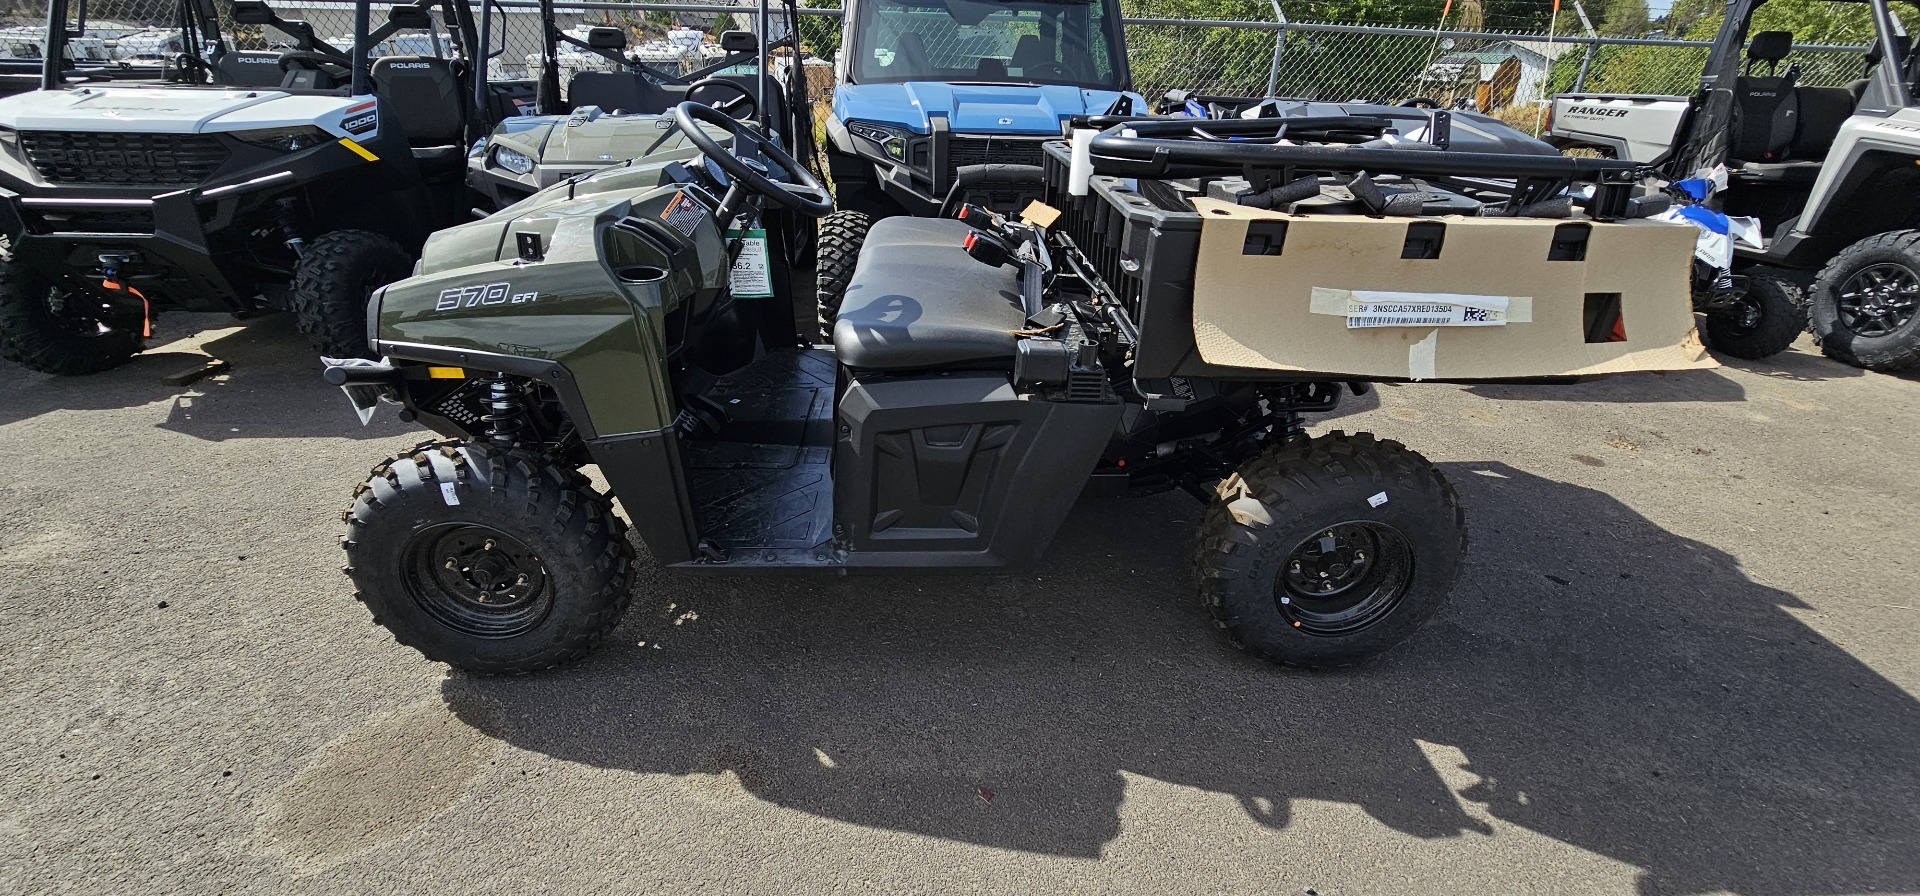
{"x": 1276, "y": 150}
{"x": 1143, "y": 256}
{"x": 1138, "y": 237}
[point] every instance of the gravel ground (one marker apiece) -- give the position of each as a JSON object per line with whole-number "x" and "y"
{"x": 1684, "y": 659}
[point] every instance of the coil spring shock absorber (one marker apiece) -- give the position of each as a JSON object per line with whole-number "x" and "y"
{"x": 506, "y": 415}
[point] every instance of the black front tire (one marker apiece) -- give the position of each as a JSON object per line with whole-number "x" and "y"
{"x": 1763, "y": 323}
{"x": 1327, "y": 552}
{"x": 333, "y": 283}
{"x": 841, "y": 236}
{"x": 40, "y": 332}
{"x": 494, "y": 563}
{"x": 1865, "y": 305}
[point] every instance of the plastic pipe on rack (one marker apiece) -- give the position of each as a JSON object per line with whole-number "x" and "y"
{"x": 1080, "y": 167}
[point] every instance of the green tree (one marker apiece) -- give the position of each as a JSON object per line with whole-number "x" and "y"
{"x": 1623, "y": 18}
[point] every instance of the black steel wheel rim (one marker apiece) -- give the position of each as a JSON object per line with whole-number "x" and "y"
{"x": 1344, "y": 578}
{"x": 477, "y": 580}
{"x": 1745, "y": 314}
{"x": 1879, "y": 299}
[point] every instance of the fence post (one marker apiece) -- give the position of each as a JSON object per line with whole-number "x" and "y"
{"x": 1586, "y": 55}
{"x": 1279, "y": 42}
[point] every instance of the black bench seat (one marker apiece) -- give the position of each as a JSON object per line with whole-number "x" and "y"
{"x": 918, "y": 302}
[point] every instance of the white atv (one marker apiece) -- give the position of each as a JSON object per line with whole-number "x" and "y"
{"x": 1830, "y": 172}
{"x": 237, "y": 179}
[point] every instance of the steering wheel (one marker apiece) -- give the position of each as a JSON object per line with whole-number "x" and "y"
{"x": 1047, "y": 70}
{"x": 731, "y": 106}
{"x": 185, "y": 61}
{"x": 311, "y": 59}
{"x": 744, "y": 162}
{"x": 1420, "y": 102}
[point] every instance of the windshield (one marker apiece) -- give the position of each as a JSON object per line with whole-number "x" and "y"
{"x": 987, "y": 41}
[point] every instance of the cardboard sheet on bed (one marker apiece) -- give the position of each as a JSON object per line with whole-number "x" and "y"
{"x": 1493, "y": 298}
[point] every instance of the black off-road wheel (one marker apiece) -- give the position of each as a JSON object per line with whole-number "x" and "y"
{"x": 333, "y": 282}
{"x": 841, "y": 236}
{"x": 1327, "y": 552}
{"x": 1866, "y": 303}
{"x": 1763, "y": 323}
{"x": 52, "y": 330}
{"x": 493, "y": 563}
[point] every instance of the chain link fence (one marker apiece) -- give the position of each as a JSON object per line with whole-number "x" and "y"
{"x": 1243, "y": 47}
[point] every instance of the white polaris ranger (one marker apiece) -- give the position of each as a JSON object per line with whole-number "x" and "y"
{"x": 234, "y": 179}
{"x": 1832, "y": 173}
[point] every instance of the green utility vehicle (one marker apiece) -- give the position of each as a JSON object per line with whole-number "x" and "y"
{"x": 983, "y": 375}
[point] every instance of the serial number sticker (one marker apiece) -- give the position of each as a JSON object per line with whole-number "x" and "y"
{"x": 683, "y": 213}
{"x": 752, "y": 278}
{"x": 449, "y": 495}
{"x": 1377, "y": 500}
{"x": 1361, "y": 315}
{"x": 1367, "y": 309}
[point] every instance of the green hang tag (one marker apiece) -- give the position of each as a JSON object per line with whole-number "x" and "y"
{"x": 752, "y": 276}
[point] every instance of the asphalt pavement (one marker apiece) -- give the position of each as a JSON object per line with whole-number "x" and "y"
{"x": 1684, "y": 658}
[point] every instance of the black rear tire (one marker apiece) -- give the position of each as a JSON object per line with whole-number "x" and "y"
{"x": 333, "y": 283}
{"x": 493, "y": 563}
{"x": 1865, "y": 305}
{"x": 46, "y": 329}
{"x": 1763, "y": 323}
{"x": 841, "y": 236}
{"x": 1327, "y": 552}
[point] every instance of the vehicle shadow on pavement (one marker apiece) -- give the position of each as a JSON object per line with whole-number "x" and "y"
{"x": 1801, "y": 364}
{"x": 272, "y": 390}
{"x": 1609, "y": 684}
{"x": 1635, "y": 388}
{"x": 138, "y": 382}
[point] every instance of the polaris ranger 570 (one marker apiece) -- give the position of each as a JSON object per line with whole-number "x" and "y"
{"x": 241, "y": 179}
{"x": 983, "y": 374}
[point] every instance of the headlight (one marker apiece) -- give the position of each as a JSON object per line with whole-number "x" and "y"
{"x": 891, "y": 140}
{"x": 285, "y": 139}
{"x": 515, "y": 162}
{"x": 9, "y": 141}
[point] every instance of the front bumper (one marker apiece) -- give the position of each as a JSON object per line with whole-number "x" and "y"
{"x": 164, "y": 235}
{"x": 920, "y": 178}
{"x": 189, "y": 247}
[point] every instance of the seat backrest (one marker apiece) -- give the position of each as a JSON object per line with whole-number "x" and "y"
{"x": 1769, "y": 47}
{"x": 250, "y": 68}
{"x": 424, "y": 98}
{"x": 1822, "y": 111}
{"x": 617, "y": 91}
{"x": 1765, "y": 109}
{"x": 675, "y": 94}
{"x": 912, "y": 50}
{"x": 1028, "y": 51}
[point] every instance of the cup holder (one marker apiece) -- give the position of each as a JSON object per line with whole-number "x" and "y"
{"x": 640, "y": 273}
